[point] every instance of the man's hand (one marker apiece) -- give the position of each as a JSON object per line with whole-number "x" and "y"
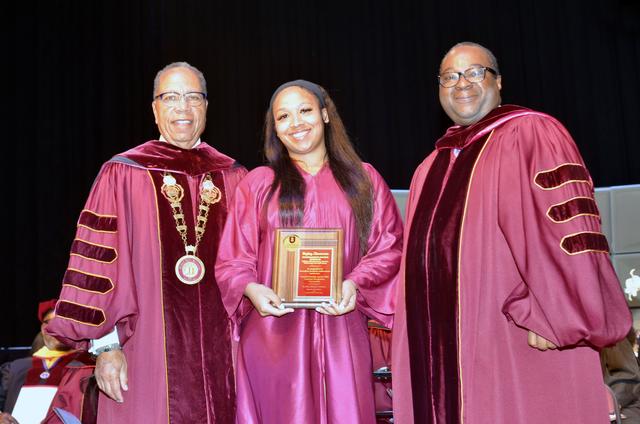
{"x": 265, "y": 300}
{"x": 111, "y": 374}
{"x": 348, "y": 303}
{"x": 6, "y": 418}
{"x": 539, "y": 342}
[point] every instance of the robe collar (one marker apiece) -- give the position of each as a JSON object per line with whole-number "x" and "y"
{"x": 459, "y": 137}
{"x": 163, "y": 156}
{"x": 198, "y": 141}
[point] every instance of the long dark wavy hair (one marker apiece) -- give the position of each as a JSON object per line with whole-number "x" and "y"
{"x": 345, "y": 165}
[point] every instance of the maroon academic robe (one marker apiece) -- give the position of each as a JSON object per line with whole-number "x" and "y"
{"x": 70, "y": 373}
{"x": 74, "y": 394}
{"x": 503, "y": 238}
{"x": 306, "y": 367}
{"x": 121, "y": 274}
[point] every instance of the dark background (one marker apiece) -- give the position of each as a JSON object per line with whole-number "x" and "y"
{"x": 83, "y": 75}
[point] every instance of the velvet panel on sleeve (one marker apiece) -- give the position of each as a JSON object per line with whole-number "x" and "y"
{"x": 569, "y": 292}
{"x": 98, "y": 290}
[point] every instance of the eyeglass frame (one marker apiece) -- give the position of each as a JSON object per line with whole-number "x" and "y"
{"x": 461, "y": 74}
{"x": 182, "y": 97}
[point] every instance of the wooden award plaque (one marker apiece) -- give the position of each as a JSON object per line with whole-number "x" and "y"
{"x": 307, "y": 266}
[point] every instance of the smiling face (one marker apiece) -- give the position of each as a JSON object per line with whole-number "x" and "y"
{"x": 180, "y": 125}
{"x": 466, "y": 103}
{"x": 299, "y": 124}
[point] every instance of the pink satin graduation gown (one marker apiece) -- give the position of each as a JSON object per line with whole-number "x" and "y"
{"x": 306, "y": 367}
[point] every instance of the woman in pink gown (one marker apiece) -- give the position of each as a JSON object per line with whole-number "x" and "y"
{"x": 308, "y": 366}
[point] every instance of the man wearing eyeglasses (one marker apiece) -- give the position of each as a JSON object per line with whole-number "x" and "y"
{"x": 140, "y": 291}
{"x": 508, "y": 288}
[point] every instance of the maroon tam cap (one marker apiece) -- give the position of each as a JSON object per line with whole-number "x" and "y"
{"x": 44, "y": 307}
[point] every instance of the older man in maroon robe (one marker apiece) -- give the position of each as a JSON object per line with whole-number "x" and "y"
{"x": 140, "y": 290}
{"x": 507, "y": 286}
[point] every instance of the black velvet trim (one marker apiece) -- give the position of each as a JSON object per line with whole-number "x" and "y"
{"x": 80, "y": 313}
{"x": 432, "y": 287}
{"x": 561, "y": 175}
{"x": 585, "y": 242}
{"x": 92, "y": 251}
{"x": 417, "y": 305}
{"x": 98, "y": 223}
{"x": 89, "y": 282}
{"x": 198, "y": 343}
{"x": 573, "y": 208}
{"x": 165, "y": 156}
{"x": 459, "y": 137}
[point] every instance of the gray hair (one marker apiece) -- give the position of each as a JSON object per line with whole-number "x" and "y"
{"x": 156, "y": 80}
{"x": 493, "y": 62}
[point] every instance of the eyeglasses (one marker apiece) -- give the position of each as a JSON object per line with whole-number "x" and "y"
{"x": 173, "y": 99}
{"x": 475, "y": 74}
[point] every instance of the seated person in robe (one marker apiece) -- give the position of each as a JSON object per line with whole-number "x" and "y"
{"x": 67, "y": 372}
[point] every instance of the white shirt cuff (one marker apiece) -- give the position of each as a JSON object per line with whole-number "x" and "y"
{"x": 109, "y": 339}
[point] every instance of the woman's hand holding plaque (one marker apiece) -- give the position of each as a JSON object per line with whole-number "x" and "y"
{"x": 265, "y": 300}
{"x": 346, "y": 305}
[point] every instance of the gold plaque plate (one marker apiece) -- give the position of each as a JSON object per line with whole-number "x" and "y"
{"x": 307, "y": 266}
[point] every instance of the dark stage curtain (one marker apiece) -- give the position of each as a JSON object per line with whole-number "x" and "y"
{"x": 83, "y": 74}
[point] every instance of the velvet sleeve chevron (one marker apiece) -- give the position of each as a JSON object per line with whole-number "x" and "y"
{"x": 569, "y": 292}
{"x": 97, "y": 288}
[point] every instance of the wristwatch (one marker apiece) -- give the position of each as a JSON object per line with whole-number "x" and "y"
{"x": 106, "y": 348}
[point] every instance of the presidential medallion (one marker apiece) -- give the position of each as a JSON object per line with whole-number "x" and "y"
{"x": 189, "y": 269}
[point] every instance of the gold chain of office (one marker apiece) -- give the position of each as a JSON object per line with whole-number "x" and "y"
{"x": 189, "y": 268}
{"x": 173, "y": 192}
